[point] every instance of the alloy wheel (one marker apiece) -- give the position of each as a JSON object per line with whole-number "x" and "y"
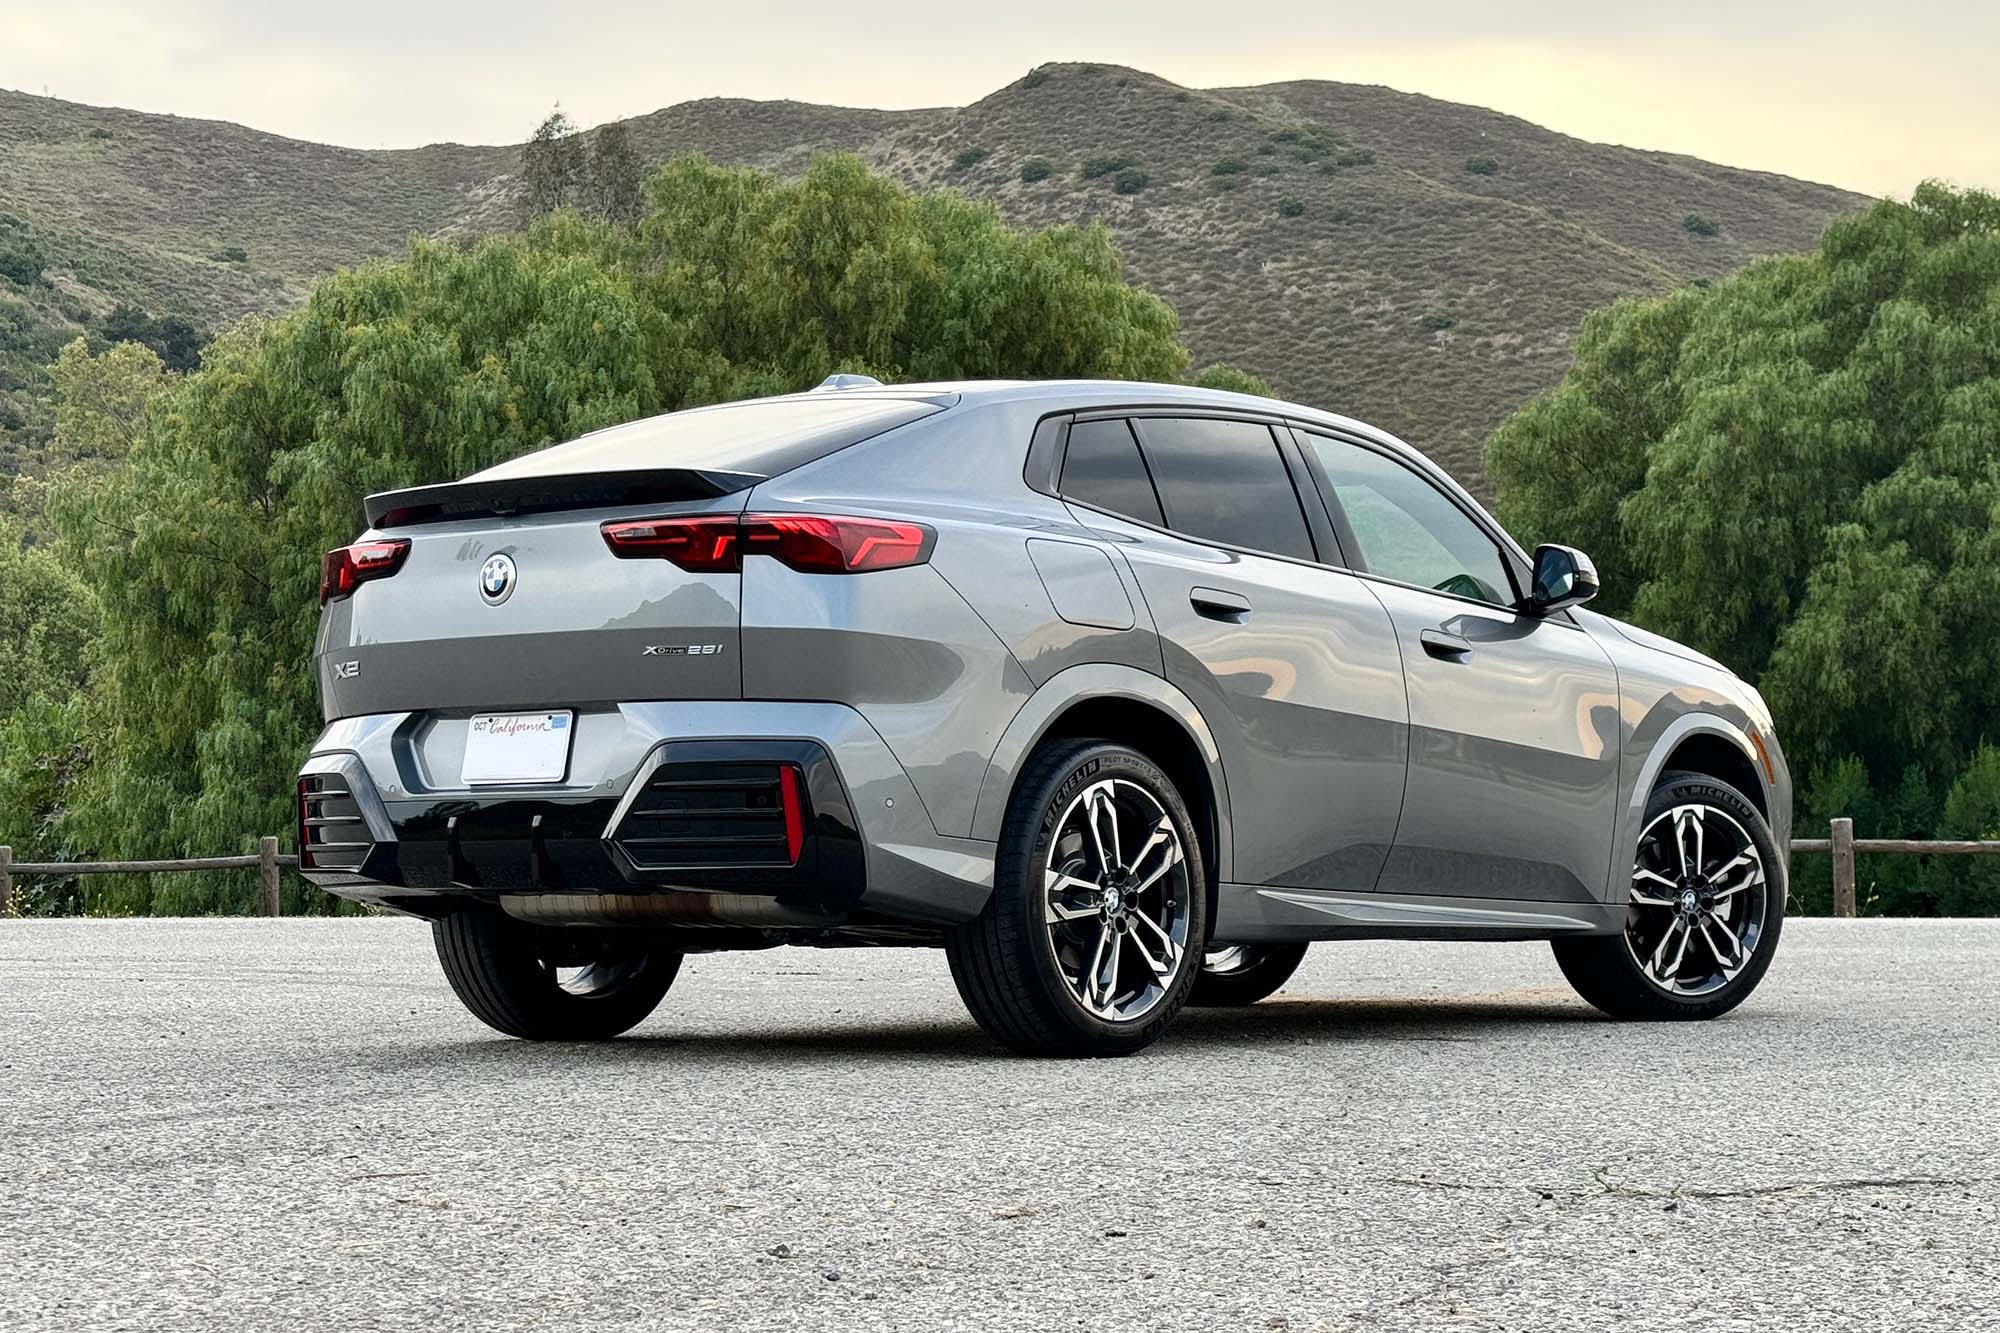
{"x": 1697, "y": 905}
{"x": 1117, "y": 904}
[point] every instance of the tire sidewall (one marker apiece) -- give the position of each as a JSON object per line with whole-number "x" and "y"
{"x": 1093, "y": 765}
{"x": 1682, "y": 789}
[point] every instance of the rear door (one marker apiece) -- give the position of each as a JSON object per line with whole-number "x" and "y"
{"x": 1514, "y": 719}
{"x": 1292, "y": 662}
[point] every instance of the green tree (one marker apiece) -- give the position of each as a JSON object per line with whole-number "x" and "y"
{"x": 1795, "y": 471}
{"x": 101, "y": 400}
{"x": 47, "y": 618}
{"x": 176, "y": 341}
{"x": 204, "y": 548}
{"x": 617, "y": 189}
{"x": 554, "y": 167}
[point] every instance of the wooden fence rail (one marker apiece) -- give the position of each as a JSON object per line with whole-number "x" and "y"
{"x": 1841, "y": 842}
{"x": 267, "y": 862}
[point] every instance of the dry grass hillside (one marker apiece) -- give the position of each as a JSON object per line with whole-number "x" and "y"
{"x": 1413, "y": 262}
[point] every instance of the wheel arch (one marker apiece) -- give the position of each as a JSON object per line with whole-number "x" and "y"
{"x": 1704, "y": 743}
{"x": 1130, "y": 707}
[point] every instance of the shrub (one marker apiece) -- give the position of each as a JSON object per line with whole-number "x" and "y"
{"x": 1437, "y": 321}
{"x": 971, "y": 157}
{"x": 1130, "y": 182}
{"x": 1093, "y": 167}
{"x": 1701, "y": 225}
{"x": 1483, "y": 166}
{"x": 1228, "y": 166}
{"x": 231, "y": 254}
{"x": 1221, "y": 375}
{"x": 1355, "y": 157}
{"x": 1228, "y": 183}
{"x": 1290, "y": 207}
{"x": 1036, "y": 169}
{"x": 100, "y": 133}
{"x": 21, "y": 258}
{"x": 1035, "y": 78}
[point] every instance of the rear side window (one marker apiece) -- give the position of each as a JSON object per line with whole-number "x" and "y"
{"x": 1224, "y": 481}
{"x": 1102, "y": 467}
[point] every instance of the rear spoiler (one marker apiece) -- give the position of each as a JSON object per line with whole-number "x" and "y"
{"x": 517, "y": 496}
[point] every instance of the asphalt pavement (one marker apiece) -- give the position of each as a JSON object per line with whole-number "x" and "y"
{"x": 292, "y": 1125}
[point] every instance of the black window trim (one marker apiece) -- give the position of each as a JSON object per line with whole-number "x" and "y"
{"x": 1145, "y": 466}
{"x": 1043, "y": 472}
{"x": 1271, "y": 429}
{"x": 1046, "y": 454}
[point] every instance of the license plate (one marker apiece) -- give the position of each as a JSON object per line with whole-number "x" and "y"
{"x": 517, "y": 747}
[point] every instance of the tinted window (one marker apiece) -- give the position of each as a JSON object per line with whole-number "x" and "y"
{"x": 1224, "y": 481}
{"x": 1408, "y": 529}
{"x": 1102, "y": 467}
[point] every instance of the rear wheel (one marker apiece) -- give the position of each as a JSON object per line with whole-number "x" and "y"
{"x": 1244, "y": 974}
{"x": 1702, "y": 915}
{"x": 1089, "y": 944}
{"x": 549, "y": 984}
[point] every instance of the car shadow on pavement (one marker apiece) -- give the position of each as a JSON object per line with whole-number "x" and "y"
{"x": 1278, "y": 1021}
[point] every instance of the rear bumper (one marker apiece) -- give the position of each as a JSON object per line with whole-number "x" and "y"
{"x": 414, "y": 840}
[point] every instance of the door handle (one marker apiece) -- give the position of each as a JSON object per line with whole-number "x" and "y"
{"x": 1219, "y": 605}
{"x": 1445, "y": 647}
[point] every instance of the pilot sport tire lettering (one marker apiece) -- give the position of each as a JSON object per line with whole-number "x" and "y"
{"x": 1092, "y": 938}
{"x": 1704, "y": 906}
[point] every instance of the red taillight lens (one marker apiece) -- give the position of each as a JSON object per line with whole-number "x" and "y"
{"x": 809, "y": 543}
{"x": 822, "y": 544}
{"x": 347, "y": 568}
{"x": 699, "y": 545}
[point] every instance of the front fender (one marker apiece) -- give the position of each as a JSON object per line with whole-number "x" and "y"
{"x": 1658, "y": 749}
{"x": 1093, "y": 681}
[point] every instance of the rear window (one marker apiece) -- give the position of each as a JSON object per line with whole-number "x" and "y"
{"x": 761, "y": 437}
{"x": 1102, "y": 467}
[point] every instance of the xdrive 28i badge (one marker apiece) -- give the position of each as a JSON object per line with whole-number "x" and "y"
{"x": 497, "y": 578}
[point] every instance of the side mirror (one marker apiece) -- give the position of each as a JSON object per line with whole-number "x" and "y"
{"x": 1564, "y": 577}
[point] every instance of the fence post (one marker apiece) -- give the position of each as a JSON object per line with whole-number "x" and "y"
{"x": 267, "y": 873}
{"x": 6, "y": 879}
{"x": 1843, "y": 867}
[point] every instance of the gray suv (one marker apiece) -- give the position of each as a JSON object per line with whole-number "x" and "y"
{"x": 1120, "y": 693}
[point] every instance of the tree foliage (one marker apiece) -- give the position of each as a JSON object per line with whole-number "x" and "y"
{"x": 204, "y": 549}
{"x": 617, "y": 186}
{"x": 1798, "y": 471}
{"x": 554, "y": 166}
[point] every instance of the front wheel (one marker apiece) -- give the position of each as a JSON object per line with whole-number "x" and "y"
{"x": 549, "y": 984}
{"x": 1244, "y": 974}
{"x": 1092, "y": 937}
{"x": 1702, "y": 916}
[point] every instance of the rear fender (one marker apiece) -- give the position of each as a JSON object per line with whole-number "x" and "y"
{"x": 1093, "y": 681}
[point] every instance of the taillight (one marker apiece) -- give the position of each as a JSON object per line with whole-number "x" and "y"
{"x": 699, "y": 545}
{"x": 819, "y": 544}
{"x": 809, "y": 543}
{"x": 347, "y": 568}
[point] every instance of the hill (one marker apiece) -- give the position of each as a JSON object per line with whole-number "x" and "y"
{"x": 1414, "y": 262}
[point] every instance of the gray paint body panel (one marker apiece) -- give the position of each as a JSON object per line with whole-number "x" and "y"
{"x": 1361, "y": 786}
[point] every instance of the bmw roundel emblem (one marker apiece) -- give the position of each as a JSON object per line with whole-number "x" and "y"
{"x": 497, "y": 579}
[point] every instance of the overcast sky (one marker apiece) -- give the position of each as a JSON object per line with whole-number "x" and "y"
{"x": 1870, "y": 96}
